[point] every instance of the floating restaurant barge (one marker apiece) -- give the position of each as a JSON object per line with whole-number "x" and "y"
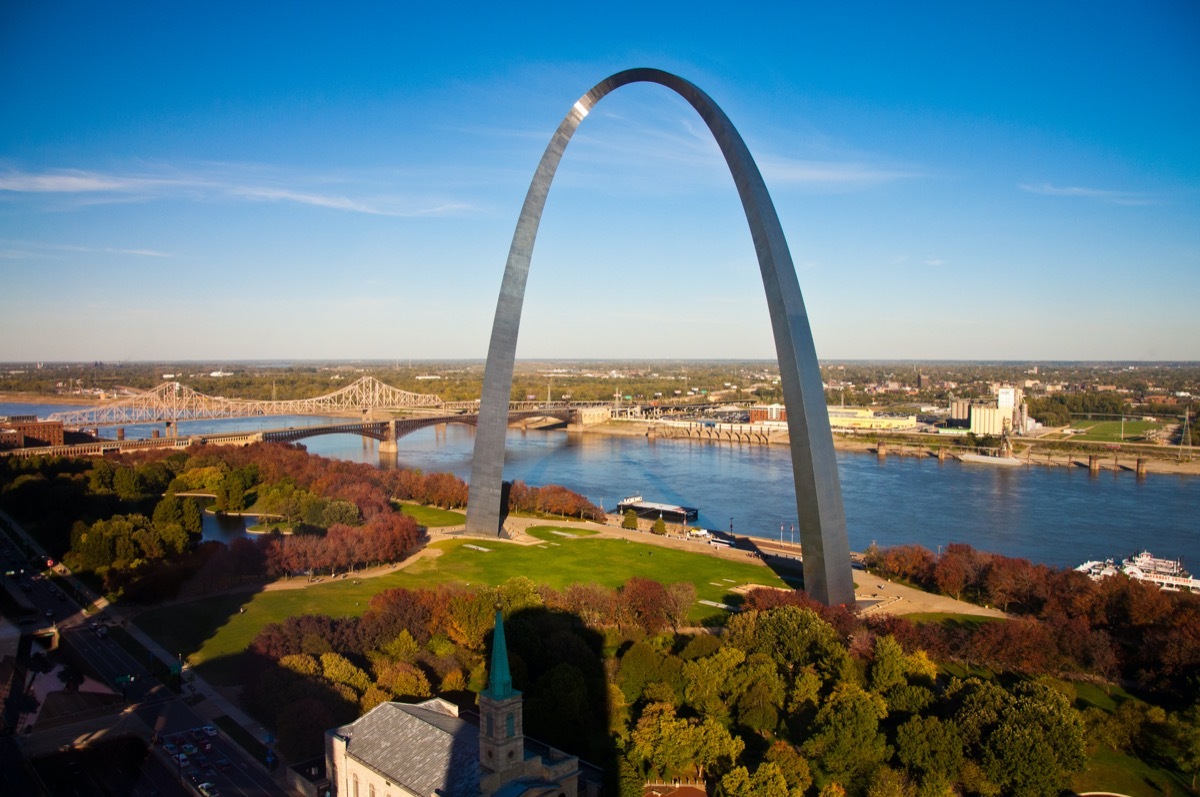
{"x": 1168, "y": 574}
{"x": 653, "y": 511}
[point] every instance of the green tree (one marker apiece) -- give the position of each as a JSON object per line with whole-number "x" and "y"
{"x": 126, "y": 483}
{"x": 846, "y": 742}
{"x": 930, "y": 746}
{"x": 630, "y": 521}
{"x": 1028, "y": 741}
{"x": 794, "y": 767}
{"x": 193, "y": 523}
{"x": 1185, "y": 730}
{"x": 660, "y": 527}
{"x": 338, "y": 669}
{"x": 661, "y": 740}
{"x": 794, "y": 638}
{"x": 169, "y": 510}
{"x": 887, "y": 782}
{"x": 712, "y": 745}
{"x": 760, "y": 693}
{"x": 709, "y": 682}
{"x": 888, "y": 667}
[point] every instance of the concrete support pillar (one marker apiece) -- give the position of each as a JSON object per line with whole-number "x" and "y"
{"x": 1140, "y": 468}
{"x": 1093, "y": 463}
{"x": 881, "y": 450}
{"x": 388, "y": 445}
{"x": 120, "y": 432}
{"x": 941, "y": 454}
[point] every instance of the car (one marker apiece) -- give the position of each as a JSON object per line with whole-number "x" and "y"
{"x": 170, "y": 749}
{"x": 101, "y": 631}
{"x": 206, "y": 746}
{"x": 197, "y": 733}
{"x": 208, "y": 790}
{"x": 190, "y": 749}
{"x": 200, "y": 760}
{"x": 222, "y": 764}
{"x": 209, "y": 730}
{"x": 182, "y": 760}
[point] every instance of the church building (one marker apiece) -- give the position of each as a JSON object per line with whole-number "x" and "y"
{"x": 426, "y": 749}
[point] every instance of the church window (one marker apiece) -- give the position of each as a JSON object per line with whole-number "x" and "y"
{"x": 355, "y": 788}
{"x": 510, "y": 725}
{"x": 371, "y": 790}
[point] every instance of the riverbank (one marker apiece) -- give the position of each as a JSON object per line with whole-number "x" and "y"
{"x": 1156, "y": 460}
{"x": 52, "y": 398}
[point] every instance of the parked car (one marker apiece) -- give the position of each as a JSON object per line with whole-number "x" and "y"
{"x": 209, "y": 730}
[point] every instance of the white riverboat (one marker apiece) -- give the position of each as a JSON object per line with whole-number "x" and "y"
{"x": 1168, "y": 574}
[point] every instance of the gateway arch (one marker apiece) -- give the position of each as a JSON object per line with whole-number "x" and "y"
{"x": 827, "y": 573}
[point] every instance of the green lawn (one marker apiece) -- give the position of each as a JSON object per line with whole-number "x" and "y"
{"x": 1111, "y": 771}
{"x": 557, "y": 534}
{"x": 431, "y": 517}
{"x": 951, "y": 619}
{"x": 212, "y": 632}
{"x": 1110, "y": 431}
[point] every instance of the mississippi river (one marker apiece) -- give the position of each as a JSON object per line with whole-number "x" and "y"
{"x": 1059, "y": 516}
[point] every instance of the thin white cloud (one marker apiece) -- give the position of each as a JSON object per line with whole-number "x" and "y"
{"x": 1099, "y": 194}
{"x": 217, "y": 183}
{"x": 66, "y": 182}
{"x": 23, "y": 250}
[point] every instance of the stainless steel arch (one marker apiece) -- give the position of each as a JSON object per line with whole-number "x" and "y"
{"x": 827, "y": 573}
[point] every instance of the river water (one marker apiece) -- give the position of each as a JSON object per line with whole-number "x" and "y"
{"x": 1059, "y": 516}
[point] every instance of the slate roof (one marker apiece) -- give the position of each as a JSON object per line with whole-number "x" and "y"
{"x": 423, "y": 747}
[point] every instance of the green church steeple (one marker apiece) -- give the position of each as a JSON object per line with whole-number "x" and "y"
{"x": 499, "y": 677}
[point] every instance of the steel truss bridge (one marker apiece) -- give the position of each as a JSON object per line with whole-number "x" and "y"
{"x": 174, "y": 402}
{"x": 386, "y": 432}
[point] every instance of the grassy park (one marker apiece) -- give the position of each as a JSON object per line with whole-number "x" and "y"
{"x": 431, "y": 517}
{"x": 1111, "y": 431}
{"x": 213, "y": 632}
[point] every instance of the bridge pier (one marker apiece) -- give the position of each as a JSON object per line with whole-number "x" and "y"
{"x": 388, "y": 445}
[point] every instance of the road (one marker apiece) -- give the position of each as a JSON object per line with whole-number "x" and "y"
{"x": 150, "y": 708}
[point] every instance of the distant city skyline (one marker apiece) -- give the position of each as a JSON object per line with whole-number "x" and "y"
{"x": 961, "y": 183}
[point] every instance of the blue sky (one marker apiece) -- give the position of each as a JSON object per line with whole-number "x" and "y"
{"x": 310, "y": 180}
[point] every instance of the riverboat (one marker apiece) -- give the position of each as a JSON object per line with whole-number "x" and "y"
{"x": 652, "y": 511}
{"x": 1167, "y": 574}
{"x": 986, "y": 459}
